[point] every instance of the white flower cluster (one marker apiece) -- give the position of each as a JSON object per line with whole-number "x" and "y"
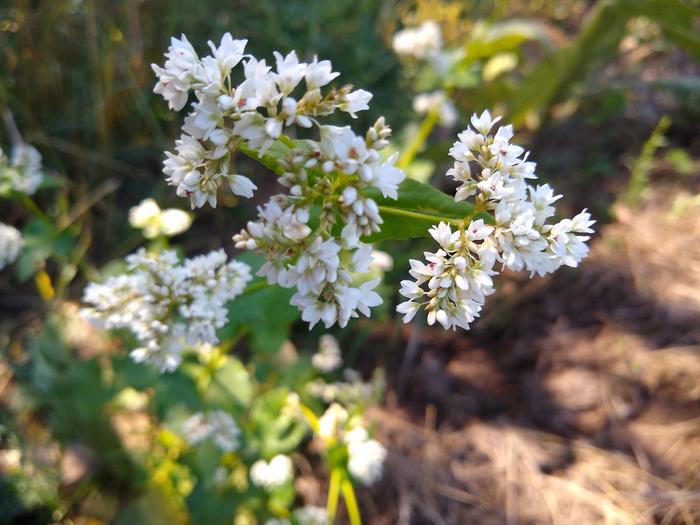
{"x": 438, "y": 101}
{"x": 275, "y": 473}
{"x": 256, "y": 111}
{"x": 365, "y": 455}
{"x": 331, "y": 175}
{"x": 459, "y": 275}
{"x": 22, "y": 171}
{"x": 328, "y": 357}
{"x": 166, "y": 303}
{"x": 324, "y": 265}
{"x": 10, "y": 244}
{"x": 308, "y": 515}
{"x": 154, "y": 222}
{"x": 421, "y": 42}
{"x": 217, "y": 426}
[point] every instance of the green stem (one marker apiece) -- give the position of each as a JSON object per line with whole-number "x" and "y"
{"x": 287, "y": 141}
{"x": 351, "y": 502}
{"x": 419, "y": 139}
{"x": 256, "y": 287}
{"x": 421, "y": 216}
{"x": 29, "y": 203}
{"x": 333, "y": 494}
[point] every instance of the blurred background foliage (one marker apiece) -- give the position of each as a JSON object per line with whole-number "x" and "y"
{"x": 592, "y": 86}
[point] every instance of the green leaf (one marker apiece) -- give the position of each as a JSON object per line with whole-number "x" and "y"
{"x": 282, "y": 497}
{"x": 418, "y": 207}
{"x": 151, "y": 508}
{"x": 230, "y": 386}
{"x": 264, "y": 313}
{"x": 678, "y": 20}
{"x": 272, "y": 157}
{"x": 500, "y": 37}
{"x": 276, "y": 432}
{"x": 552, "y": 78}
{"x": 208, "y": 507}
{"x": 41, "y": 241}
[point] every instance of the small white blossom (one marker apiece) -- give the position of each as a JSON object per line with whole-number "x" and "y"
{"x": 275, "y": 473}
{"x": 217, "y": 426}
{"x": 22, "y": 172}
{"x": 419, "y": 42}
{"x": 155, "y": 222}
{"x": 328, "y": 357}
{"x": 438, "y": 101}
{"x": 308, "y": 515}
{"x": 332, "y": 422}
{"x": 10, "y": 244}
{"x": 311, "y": 515}
{"x": 365, "y": 456}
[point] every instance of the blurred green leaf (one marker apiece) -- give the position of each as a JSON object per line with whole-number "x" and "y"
{"x": 263, "y": 313}
{"x": 418, "y": 207}
{"x": 489, "y": 40}
{"x": 41, "y": 241}
{"x": 678, "y": 20}
{"x": 209, "y": 507}
{"x": 552, "y": 78}
{"x": 276, "y": 432}
{"x": 230, "y": 386}
{"x": 151, "y": 508}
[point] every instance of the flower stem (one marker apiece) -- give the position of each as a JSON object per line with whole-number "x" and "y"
{"x": 419, "y": 139}
{"x": 351, "y": 502}
{"x": 255, "y": 287}
{"x": 333, "y": 494}
{"x": 287, "y": 141}
{"x": 32, "y": 207}
{"x": 417, "y": 215}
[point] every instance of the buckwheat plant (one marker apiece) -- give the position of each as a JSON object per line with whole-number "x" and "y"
{"x": 166, "y": 303}
{"x": 340, "y": 191}
{"x": 454, "y": 281}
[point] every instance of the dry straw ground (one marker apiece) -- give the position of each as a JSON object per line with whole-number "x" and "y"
{"x": 582, "y": 408}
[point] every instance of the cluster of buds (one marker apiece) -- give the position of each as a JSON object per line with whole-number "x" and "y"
{"x": 255, "y": 111}
{"x": 454, "y": 281}
{"x": 22, "y": 171}
{"x": 166, "y": 303}
{"x": 310, "y": 236}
